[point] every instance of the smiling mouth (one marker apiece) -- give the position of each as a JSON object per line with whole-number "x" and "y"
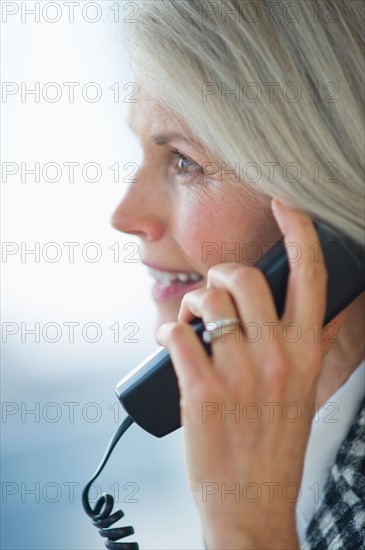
{"x": 166, "y": 279}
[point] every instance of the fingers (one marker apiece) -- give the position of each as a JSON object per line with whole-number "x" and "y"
{"x": 190, "y": 361}
{"x": 306, "y": 293}
{"x": 254, "y": 302}
{"x": 211, "y": 305}
{"x": 235, "y": 291}
{"x": 249, "y": 290}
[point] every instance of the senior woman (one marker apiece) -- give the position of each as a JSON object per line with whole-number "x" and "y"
{"x": 250, "y": 116}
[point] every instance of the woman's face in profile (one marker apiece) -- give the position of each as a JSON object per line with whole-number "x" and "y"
{"x": 186, "y": 210}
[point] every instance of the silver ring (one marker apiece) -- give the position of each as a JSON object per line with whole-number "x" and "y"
{"x": 215, "y": 329}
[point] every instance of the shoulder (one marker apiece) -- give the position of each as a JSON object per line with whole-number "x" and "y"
{"x": 339, "y": 521}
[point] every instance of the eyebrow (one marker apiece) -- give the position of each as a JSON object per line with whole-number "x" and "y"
{"x": 167, "y": 138}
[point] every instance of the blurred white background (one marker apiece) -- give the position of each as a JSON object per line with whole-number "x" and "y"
{"x": 49, "y": 454}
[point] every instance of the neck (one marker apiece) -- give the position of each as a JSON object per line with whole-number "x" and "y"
{"x": 345, "y": 354}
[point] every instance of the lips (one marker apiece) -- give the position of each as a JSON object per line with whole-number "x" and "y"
{"x": 172, "y": 284}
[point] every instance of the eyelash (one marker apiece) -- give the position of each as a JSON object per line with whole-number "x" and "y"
{"x": 196, "y": 167}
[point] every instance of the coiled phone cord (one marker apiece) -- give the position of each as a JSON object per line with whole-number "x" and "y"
{"x": 101, "y": 514}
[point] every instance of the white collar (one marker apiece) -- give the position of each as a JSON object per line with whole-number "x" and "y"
{"x": 329, "y": 428}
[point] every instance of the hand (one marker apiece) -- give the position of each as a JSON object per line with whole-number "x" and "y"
{"x": 247, "y": 409}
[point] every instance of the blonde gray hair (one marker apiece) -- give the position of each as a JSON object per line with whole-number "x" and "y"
{"x": 273, "y": 86}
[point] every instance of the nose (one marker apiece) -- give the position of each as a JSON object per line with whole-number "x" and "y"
{"x": 141, "y": 211}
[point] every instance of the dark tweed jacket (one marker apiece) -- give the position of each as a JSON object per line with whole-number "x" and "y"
{"x": 339, "y": 521}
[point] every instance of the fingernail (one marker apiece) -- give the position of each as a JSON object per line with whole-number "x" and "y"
{"x": 279, "y": 209}
{"x": 283, "y": 202}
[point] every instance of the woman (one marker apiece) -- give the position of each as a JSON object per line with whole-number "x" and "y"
{"x": 239, "y": 103}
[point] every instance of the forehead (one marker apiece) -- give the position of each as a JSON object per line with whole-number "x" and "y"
{"x": 149, "y": 115}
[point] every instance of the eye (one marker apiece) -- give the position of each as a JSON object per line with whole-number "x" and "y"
{"x": 185, "y": 167}
{"x": 183, "y": 164}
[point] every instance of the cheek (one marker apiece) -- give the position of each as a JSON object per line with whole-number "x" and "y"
{"x": 198, "y": 228}
{"x": 213, "y": 230}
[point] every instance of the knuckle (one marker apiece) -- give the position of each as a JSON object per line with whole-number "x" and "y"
{"x": 190, "y": 296}
{"x": 214, "y": 269}
{"x": 186, "y": 300}
{"x": 189, "y": 302}
{"x": 178, "y": 331}
{"x": 240, "y": 276}
{"x": 247, "y": 276}
{"x": 222, "y": 267}
{"x": 211, "y": 298}
{"x": 278, "y": 372}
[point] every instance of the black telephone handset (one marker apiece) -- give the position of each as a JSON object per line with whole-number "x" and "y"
{"x": 150, "y": 393}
